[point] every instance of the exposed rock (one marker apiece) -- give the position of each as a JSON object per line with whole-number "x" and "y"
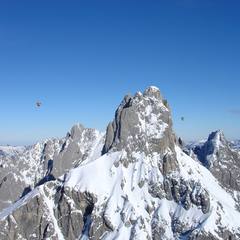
{"x": 31, "y": 221}
{"x": 143, "y": 123}
{"x": 137, "y": 183}
{"x": 42, "y": 162}
{"x": 223, "y": 161}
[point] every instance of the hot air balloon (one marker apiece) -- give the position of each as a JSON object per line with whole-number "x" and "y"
{"x": 38, "y": 104}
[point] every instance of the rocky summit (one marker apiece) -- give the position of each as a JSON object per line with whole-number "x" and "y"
{"x": 136, "y": 181}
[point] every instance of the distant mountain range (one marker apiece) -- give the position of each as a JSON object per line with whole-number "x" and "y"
{"x": 11, "y": 150}
{"x": 137, "y": 180}
{"x": 235, "y": 144}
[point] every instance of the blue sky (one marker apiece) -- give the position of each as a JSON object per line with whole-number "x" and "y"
{"x": 81, "y": 57}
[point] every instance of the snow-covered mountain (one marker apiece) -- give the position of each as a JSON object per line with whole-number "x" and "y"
{"x": 136, "y": 181}
{"x": 23, "y": 168}
{"x": 217, "y": 154}
{"x": 11, "y": 150}
{"x": 235, "y": 144}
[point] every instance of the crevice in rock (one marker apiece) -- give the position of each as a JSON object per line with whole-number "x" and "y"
{"x": 87, "y": 220}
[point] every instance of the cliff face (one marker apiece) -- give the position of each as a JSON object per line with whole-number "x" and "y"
{"x": 22, "y": 169}
{"x": 221, "y": 159}
{"x": 133, "y": 183}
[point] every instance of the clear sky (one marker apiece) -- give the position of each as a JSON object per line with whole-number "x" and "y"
{"x": 81, "y": 57}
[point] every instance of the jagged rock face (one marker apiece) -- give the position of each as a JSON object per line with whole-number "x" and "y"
{"x": 187, "y": 193}
{"x": 55, "y": 212}
{"x": 31, "y": 221}
{"x": 75, "y": 149}
{"x": 143, "y": 123}
{"x": 21, "y": 171}
{"x": 137, "y": 183}
{"x": 223, "y": 161}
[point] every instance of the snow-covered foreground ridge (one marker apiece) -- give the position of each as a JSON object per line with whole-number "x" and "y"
{"x": 136, "y": 181}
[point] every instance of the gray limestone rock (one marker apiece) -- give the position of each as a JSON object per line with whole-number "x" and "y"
{"x": 187, "y": 193}
{"x": 142, "y": 125}
{"x": 224, "y": 162}
{"x": 22, "y": 171}
{"x": 31, "y": 221}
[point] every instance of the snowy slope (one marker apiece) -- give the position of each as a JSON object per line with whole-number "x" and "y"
{"x": 23, "y": 168}
{"x": 135, "y": 182}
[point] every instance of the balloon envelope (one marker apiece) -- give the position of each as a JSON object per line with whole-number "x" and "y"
{"x": 38, "y": 104}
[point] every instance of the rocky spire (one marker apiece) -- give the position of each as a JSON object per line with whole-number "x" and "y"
{"x": 142, "y": 122}
{"x": 209, "y": 151}
{"x": 217, "y": 138}
{"x": 224, "y": 162}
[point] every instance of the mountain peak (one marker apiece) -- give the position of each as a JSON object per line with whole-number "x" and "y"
{"x": 218, "y": 134}
{"x": 143, "y": 120}
{"x": 217, "y": 139}
{"x": 152, "y": 91}
{"x": 217, "y": 155}
{"x": 208, "y": 151}
{"x": 134, "y": 182}
{"x": 76, "y": 130}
